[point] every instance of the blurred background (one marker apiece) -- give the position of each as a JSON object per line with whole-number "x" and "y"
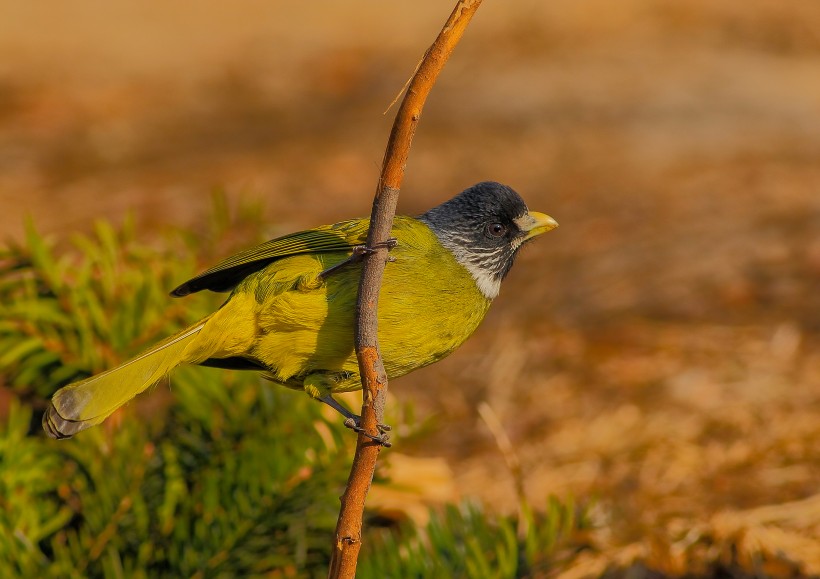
{"x": 658, "y": 352}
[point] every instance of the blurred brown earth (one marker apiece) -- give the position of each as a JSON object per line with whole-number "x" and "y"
{"x": 658, "y": 351}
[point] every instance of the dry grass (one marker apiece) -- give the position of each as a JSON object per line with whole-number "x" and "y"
{"x": 658, "y": 351}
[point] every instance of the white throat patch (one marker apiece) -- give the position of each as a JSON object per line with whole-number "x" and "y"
{"x": 487, "y": 283}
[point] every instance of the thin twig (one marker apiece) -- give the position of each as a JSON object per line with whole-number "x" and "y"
{"x": 348, "y": 536}
{"x": 404, "y": 87}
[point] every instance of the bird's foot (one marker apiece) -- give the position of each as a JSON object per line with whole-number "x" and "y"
{"x": 360, "y": 251}
{"x": 382, "y": 438}
{"x": 354, "y": 422}
{"x": 390, "y": 243}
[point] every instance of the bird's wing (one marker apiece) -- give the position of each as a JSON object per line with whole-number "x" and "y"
{"x": 327, "y": 238}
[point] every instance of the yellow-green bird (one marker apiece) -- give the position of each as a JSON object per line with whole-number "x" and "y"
{"x": 290, "y": 312}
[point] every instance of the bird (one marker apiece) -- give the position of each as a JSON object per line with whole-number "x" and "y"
{"x": 290, "y": 310}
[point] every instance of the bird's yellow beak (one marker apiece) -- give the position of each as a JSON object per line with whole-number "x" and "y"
{"x": 534, "y": 223}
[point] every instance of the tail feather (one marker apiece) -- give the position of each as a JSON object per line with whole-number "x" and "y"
{"x": 88, "y": 402}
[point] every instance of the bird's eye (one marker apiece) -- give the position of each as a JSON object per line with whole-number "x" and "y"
{"x": 496, "y": 229}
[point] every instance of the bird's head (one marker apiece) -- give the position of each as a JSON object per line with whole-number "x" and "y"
{"x": 484, "y": 227}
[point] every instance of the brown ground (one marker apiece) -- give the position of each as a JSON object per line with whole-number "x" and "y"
{"x": 658, "y": 351}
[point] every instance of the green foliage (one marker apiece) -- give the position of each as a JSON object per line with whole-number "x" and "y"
{"x": 67, "y": 316}
{"x": 70, "y": 314}
{"x": 467, "y": 541}
{"x": 234, "y": 477}
{"x": 234, "y": 495}
{"x": 229, "y": 477}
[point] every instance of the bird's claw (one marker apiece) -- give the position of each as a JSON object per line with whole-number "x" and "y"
{"x": 358, "y": 252}
{"x": 382, "y": 438}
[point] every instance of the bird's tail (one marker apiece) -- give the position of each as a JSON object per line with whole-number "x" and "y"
{"x": 88, "y": 402}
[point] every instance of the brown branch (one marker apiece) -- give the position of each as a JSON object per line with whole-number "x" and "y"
{"x": 348, "y": 536}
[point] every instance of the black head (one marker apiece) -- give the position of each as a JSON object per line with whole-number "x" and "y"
{"x": 484, "y": 226}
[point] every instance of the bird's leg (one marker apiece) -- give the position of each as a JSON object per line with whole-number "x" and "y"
{"x": 358, "y": 252}
{"x": 353, "y": 422}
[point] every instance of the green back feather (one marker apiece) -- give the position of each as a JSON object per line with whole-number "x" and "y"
{"x": 224, "y": 276}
